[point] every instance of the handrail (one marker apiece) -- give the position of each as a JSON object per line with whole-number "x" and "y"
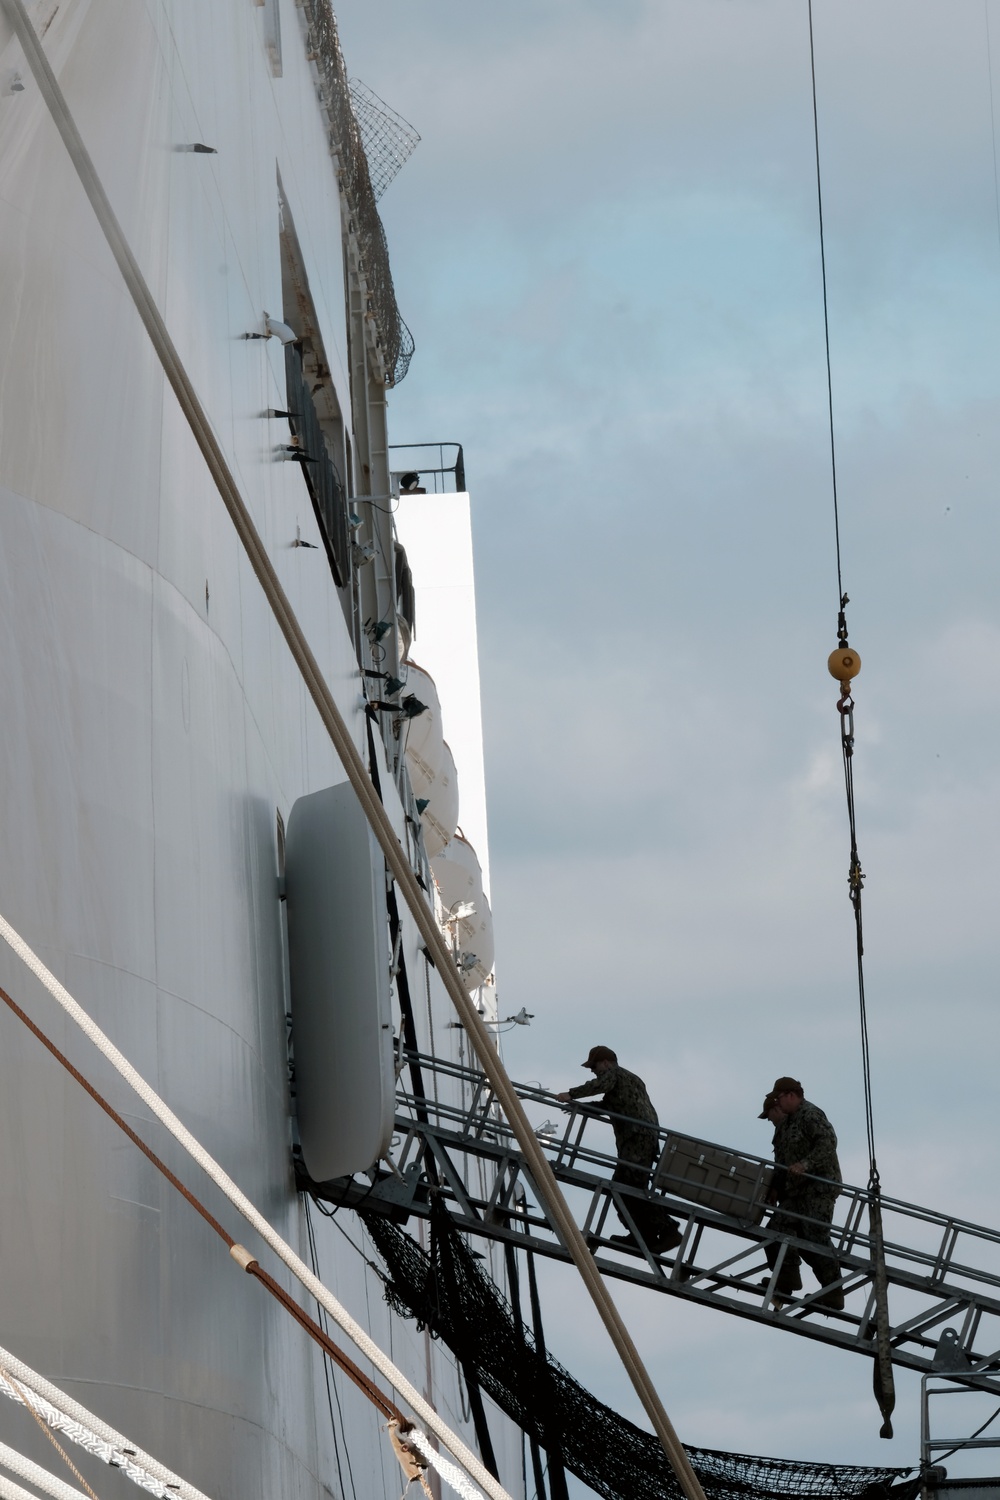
{"x": 945, "y": 1312}
{"x": 570, "y": 1152}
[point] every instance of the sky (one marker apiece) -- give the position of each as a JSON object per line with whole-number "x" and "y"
{"x": 606, "y": 247}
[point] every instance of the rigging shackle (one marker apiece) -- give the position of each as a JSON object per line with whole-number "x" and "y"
{"x": 843, "y": 665}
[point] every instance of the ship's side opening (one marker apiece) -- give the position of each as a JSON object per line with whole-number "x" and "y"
{"x": 316, "y": 421}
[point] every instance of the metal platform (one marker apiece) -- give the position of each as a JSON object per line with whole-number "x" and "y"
{"x": 452, "y": 1141}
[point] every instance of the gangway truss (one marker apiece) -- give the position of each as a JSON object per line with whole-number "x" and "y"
{"x": 452, "y": 1141}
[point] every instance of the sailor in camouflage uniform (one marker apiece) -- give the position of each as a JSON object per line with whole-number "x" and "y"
{"x": 805, "y": 1147}
{"x": 636, "y": 1142}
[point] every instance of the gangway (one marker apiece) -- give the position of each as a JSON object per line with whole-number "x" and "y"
{"x": 452, "y": 1141}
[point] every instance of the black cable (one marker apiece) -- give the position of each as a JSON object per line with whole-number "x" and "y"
{"x": 331, "y": 1387}
{"x": 555, "y": 1467}
{"x": 513, "y": 1282}
{"x": 942, "y": 1456}
{"x": 993, "y": 125}
{"x": 826, "y": 310}
{"x": 882, "y": 1372}
{"x": 856, "y": 883}
{"x": 855, "y": 875}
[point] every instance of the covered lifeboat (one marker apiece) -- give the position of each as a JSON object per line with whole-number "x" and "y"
{"x": 466, "y": 911}
{"x": 430, "y": 764}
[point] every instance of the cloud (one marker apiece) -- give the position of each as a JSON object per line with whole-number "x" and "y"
{"x": 606, "y": 245}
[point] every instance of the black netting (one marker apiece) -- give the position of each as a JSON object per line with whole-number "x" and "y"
{"x": 388, "y": 139}
{"x": 394, "y": 337}
{"x": 447, "y": 1292}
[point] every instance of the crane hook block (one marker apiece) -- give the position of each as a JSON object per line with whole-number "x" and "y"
{"x": 844, "y": 663}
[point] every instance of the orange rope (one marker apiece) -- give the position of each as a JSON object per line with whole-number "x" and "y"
{"x": 342, "y": 1360}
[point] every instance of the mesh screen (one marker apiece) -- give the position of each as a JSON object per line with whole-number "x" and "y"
{"x": 448, "y": 1293}
{"x": 394, "y": 337}
{"x": 388, "y": 139}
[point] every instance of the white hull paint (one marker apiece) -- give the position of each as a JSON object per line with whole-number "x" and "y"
{"x": 153, "y": 730}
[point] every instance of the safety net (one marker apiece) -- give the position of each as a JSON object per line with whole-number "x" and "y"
{"x": 448, "y": 1292}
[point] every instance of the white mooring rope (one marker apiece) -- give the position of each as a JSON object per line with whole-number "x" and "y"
{"x": 342, "y": 740}
{"x": 60, "y": 1412}
{"x": 243, "y": 1205}
{"x": 11, "y": 1491}
{"x": 26, "y": 1468}
{"x": 448, "y": 1472}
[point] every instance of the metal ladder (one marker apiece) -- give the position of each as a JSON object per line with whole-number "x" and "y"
{"x": 452, "y": 1141}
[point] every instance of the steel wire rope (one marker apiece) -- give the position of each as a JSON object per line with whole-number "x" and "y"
{"x": 340, "y": 735}
{"x": 993, "y": 125}
{"x": 826, "y": 305}
{"x": 884, "y": 1383}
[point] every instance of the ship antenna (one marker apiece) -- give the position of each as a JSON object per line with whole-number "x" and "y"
{"x": 844, "y": 664}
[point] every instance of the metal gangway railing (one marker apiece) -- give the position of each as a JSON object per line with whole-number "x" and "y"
{"x": 452, "y": 1142}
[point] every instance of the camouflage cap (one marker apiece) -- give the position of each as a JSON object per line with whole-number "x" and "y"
{"x": 784, "y": 1085}
{"x": 599, "y": 1054}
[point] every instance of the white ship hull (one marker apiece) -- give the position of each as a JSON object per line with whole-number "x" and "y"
{"x": 154, "y": 730}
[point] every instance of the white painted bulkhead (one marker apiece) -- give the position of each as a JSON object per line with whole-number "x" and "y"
{"x": 153, "y": 728}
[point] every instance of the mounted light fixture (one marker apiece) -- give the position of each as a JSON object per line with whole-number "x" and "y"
{"x": 275, "y": 329}
{"x": 278, "y": 330}
{"x": 523, "y": 1018}
{"x": 392, "y": 684}
{"x": 410, "y": 708}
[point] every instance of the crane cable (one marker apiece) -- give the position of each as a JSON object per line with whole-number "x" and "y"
{"x": 844, "y": 664}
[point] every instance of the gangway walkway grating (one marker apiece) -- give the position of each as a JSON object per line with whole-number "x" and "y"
{"x": 453, "y": 1143}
